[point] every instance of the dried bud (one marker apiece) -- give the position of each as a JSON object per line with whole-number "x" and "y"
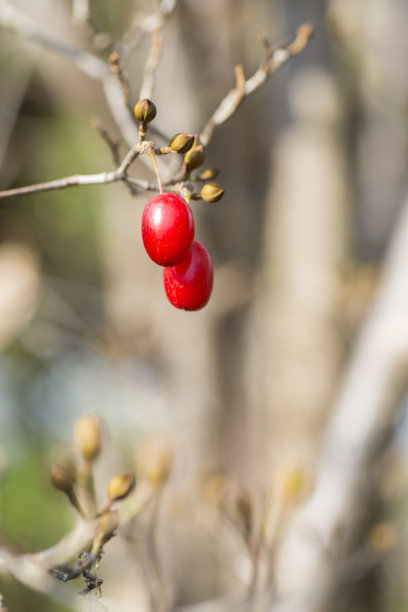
{"x": 63, "y": 477}
{"x": 194, "y": 157}
{"x": 209, "y": 174}
{"x": 181, "y": 143}
{"x": 88, "y": 433}
{"x": 155, "y": 459}
{"x": 211, "y": 192}
{"x": 145, "y": 111}
{"x": 120, "y": 486}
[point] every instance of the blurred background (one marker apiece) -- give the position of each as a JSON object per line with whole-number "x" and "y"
{"x": 314, "y": 167}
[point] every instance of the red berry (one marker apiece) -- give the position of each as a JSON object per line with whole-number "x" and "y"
{"x": 167, "y": 229}
{"x": 189, "y": 284}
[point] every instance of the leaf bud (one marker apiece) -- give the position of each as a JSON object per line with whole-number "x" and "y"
{"x": 211, "y": 192}
{"x": 194, "y": 157}
{"x": 182, "y": 142}
{"x": 88, "y": 433}
{"x": 145, "y": 111}
{"x": 120, "y": 486}
{"x": 208, "y": 174}
{"x": 63, "y": 477}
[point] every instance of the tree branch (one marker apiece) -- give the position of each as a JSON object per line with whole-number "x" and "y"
{"x": 120, "y": 174}
{"x": 275, "y": 58}
{"x": 366, "y": 406}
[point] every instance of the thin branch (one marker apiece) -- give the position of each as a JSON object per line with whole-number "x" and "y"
{"x": 32, "y": 569}
{"x": 112, "y": 143}
{"x": 275, "y": 58}
{"x": 116, "y": 68}
{"x": 146, "y": 88}
{"x": 120, "y": 174}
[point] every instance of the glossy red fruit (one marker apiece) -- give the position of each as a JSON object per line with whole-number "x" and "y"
{"x": 189, "y": 284}
{"x": 167, "y": 229}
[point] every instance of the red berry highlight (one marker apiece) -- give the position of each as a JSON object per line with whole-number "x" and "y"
{"x": 189, "y": 284}
{"x": 167, "y": 229}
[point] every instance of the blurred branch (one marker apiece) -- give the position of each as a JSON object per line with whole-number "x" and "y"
{"x": 14, "y": 19}
{"x": 274, "y": 59}
{"x": 112, "y": 143}
{"x": 80, "y": 11}
{"x": 367, "y": 404}
{"x": 32, "y": 569}
{"x": 146, "y": 88}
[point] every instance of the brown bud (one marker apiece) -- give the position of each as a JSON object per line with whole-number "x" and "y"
{"x": 155, "y": 459}
{"x": 145, "y": 111}
{"x": 195, "y": 157}
{"x": 211, "y": 192}
{"x": 63, "y": 477}
{"x": 209, "y": 174}
{"x": 182, "y": 142}
{"x": 120, "y": 486}
{"x": 88, "y": 433}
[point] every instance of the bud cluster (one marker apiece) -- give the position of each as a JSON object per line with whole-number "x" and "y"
{"x": 168, "y": 223}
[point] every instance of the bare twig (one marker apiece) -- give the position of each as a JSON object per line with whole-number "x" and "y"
{"x": 275, "y": 58}
{"x": 146, "y": 88}
{"x": 116, "y": 68}
{"x": 120, "y": 174}
{"x": 32, "y": 569}
{"x": 112, "y": 143}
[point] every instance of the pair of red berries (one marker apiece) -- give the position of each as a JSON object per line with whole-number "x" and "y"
{"x": 168, "y": 237}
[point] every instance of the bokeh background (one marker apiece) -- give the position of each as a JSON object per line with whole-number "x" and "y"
{"x": 314, "y": 167}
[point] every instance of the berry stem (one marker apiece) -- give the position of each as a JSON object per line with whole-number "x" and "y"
{"x": 152, "y": 155}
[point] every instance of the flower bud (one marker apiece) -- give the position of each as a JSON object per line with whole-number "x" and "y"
{"x": 211, "y": 192}
{"x": 182, "y": 142}
{"x": 88, "y": 433}
{"x": 63, "y": 477}
{"x": 145, "y": 111}
{"x": 120, "y": 486}
{"x": 105, "y": 530}
{"x": 208, "y": 174}
{"x": 194, "y": 157}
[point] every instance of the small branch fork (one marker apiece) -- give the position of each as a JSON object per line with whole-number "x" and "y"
{"x": 117, "y": 95}
{"x": 274, "y": 59}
